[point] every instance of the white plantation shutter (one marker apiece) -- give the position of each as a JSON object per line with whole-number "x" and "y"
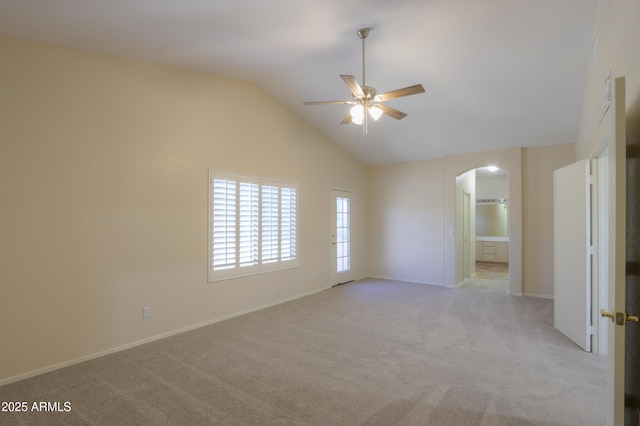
{"x": 249, "y": 224}
{"x": 224, "y": 224}
{"x": 270, "y": 224}
{"x": 288, "y": 225}
{"x": 253, "y": 226}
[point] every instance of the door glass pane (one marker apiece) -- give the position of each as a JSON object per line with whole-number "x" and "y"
{"x": 343, "y": 234}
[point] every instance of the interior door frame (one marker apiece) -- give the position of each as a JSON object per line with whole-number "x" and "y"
{"x": 343, "y": 277}
{"x": 600, "y": 212}
{"x": 468, "y": 259}
{"x": 509, "y": 161}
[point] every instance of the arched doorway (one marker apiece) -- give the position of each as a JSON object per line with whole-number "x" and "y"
{"x": 506, "y": 159}
{"x": 483, "y": 194}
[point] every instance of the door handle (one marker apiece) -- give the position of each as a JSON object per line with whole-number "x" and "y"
{"x": 611, "y": 315}
{"x": 620, "y": 318}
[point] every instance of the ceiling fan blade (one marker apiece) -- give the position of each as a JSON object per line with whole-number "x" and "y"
{"x": 347, "y": 118}
{"x": 353, "y": 85}
{"x": 391, "y": 112}
{"x": 328, "y": 103}
{"x": 406, "y": 91}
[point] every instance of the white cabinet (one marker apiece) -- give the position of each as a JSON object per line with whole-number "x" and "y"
{"x": 492, "y": 251}
{"x": 488, "y": 251}
{"x": 502, "y": 252}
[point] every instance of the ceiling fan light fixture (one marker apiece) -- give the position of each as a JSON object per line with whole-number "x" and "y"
{"x": 357, "y": 114}
{"x": 375, "y": 112}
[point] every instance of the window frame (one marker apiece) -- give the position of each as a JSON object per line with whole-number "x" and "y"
{"x": 249, "y": 258}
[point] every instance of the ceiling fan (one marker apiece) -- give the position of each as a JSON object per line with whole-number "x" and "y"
{"x": 366, "y": 102}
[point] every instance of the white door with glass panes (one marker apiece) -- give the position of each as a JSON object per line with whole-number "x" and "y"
{"x": 341, "y": 237}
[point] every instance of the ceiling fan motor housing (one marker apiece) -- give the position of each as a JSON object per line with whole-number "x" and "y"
{"x": 369, "y": 93}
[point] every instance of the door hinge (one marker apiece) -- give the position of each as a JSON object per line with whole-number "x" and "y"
{"x": 592, "y": 250}
{"x": 591, "y": 330}
{"x": 592, "y": 179}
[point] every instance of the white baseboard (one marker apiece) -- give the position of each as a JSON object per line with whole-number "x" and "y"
{"x": 64, "y": 364}
{"x": 380, "y": 277}
{"x": 421, "y": 282}
{"x": 403, "y": 280}
{"x": 539, "y": 296}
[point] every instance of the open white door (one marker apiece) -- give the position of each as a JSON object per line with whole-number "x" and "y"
{"x": 572, "y": 255}
{"x": 617, "y": 259}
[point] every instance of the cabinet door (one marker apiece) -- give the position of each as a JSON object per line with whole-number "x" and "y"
{"x": 502, "y": 252}
{"x": 488, "y": 251}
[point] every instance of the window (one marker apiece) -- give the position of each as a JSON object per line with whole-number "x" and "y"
{"x": 252, "y": 226}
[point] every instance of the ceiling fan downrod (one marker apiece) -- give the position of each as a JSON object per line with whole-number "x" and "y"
{"x": 363, "y": 33}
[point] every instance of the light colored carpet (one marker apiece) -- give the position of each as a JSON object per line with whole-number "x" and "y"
{"x": 367, "y": 353}
{"x": 488, "y": 276}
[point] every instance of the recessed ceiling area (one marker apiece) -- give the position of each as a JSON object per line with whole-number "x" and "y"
{"x": 497, "y": 74}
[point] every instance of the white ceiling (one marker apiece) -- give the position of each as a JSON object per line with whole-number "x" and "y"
{"x": 497, "y": 73}
{"x": 483, "y": 173}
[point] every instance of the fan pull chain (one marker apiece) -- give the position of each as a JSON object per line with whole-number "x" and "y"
{"x": 364, "y": 123}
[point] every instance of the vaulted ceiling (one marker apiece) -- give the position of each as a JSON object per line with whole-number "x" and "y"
{"x": 497, "y": 73}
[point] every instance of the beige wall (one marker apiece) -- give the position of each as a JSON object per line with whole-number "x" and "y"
{"x": 492, "y": 187}
{"x": 406, "y": 222}
{"x": 617, "y": 36}
{"x": 538, "y": 165}
{"x": 103, "y": 179}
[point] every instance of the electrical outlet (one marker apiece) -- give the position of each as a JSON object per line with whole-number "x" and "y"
{"x": 146, "y": 312}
